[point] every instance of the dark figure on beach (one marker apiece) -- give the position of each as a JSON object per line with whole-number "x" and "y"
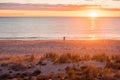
{"x": 64, "y": 38}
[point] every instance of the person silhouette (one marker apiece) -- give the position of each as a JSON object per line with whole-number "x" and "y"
{"x": 64, "y": 38}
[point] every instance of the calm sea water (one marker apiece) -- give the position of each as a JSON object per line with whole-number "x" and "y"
{"x": 57, "y": 27}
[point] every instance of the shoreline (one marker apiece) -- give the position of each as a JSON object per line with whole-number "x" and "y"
{"x": 59, "y": 38}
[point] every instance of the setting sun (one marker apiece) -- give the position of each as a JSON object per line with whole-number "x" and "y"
{"x": 93, "y": 14}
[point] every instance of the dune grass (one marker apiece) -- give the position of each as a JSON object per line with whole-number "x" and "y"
{"x": 111, "y": 71}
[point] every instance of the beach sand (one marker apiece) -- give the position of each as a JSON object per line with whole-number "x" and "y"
{"x": 59, "y": 46}
{"x": 23, "y": 59}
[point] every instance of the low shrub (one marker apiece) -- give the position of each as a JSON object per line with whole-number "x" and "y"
{"x": 101, "y": 57}
{"x": 51, "y": 56}
{"x": 116, "y": 58}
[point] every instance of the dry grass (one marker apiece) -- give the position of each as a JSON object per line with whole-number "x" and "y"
{"x": 89, "y": 72}
{"x": 51, "y": 56}
{"x": 116, "y": 58}
{"x": 68, "y": 58}
{"x": 101, "y": 57}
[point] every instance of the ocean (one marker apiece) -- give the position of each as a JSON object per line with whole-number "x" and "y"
{"x": 59, "y": 27}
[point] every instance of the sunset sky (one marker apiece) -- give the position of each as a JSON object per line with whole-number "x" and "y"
{"x": 110, "y": 3}
{"x": 103, "y": 3}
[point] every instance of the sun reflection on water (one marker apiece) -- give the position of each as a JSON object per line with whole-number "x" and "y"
{"x": 93, "y": 16}
{"x": 92, "y": 36}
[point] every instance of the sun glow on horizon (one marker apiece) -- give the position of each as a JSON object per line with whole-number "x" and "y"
{"x": 85, "y": 13}
{"x": 93, "y": 14}
{"x": 92, "y": 37}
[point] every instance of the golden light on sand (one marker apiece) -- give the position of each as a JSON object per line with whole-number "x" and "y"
{"x": 93, "y": 14}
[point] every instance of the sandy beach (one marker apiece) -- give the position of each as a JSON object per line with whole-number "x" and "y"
{"x": 59, "y": 59}
{"x": 59, "y": 46}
